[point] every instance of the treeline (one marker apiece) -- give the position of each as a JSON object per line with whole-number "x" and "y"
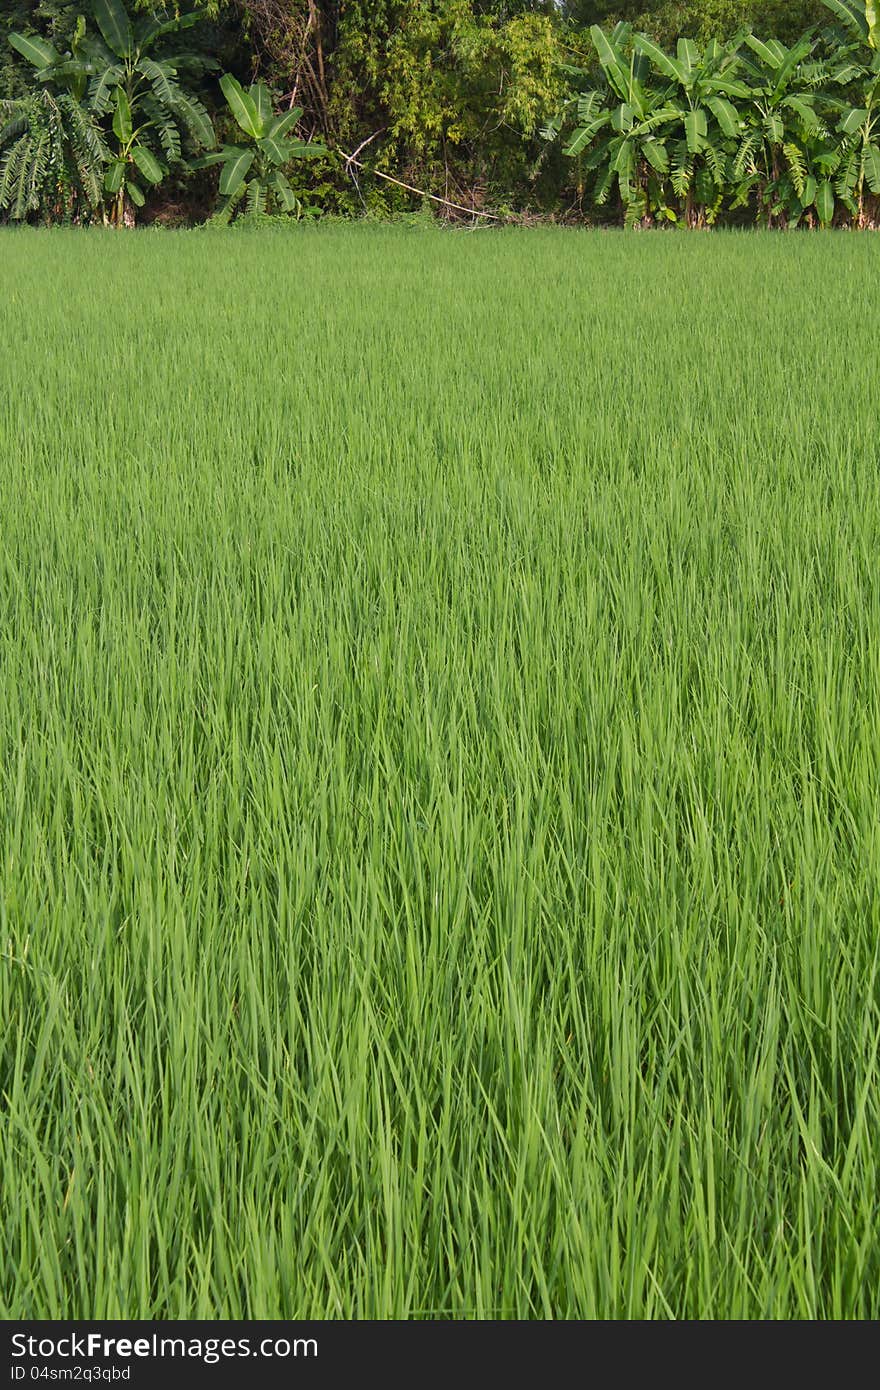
{"x": 677, "y": 111}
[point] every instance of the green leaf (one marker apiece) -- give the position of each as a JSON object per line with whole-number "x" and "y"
{"x": 241, "y": 105}
{"x": 695, "y": 129}
{"x": 148, "y": 30}
{"x": 205, "y": 161}
{"x": 277, "y": 151}
{"x": 729, "y": 88}
{"x": 774, "y": 128}
{"x": 101, "y": 91}
{"x": 662, "y": 62}
{"x": 871, "y": 167}
{"x": 160, "y": 77}
{"x": 623, "y": 161}
{"x": 582, "y": 138}
{"x": 282, "y": 124}
{"x": 298, "y": 149}
{"x": 114, "y": 24}
{"x": 825, "y": 203}
{"x": 852, "y": 120}
{"x": 16, "y": 126}
{"x": 610, "y": 60}
{"x": 587, "y": 105}
{"x": 854, "y": 22}
{"x": 114, "y": 176}
{"x": 286, "y": 195}
{"x": 704, "y": 187}
{"x": 256, "y": 197}
{"x": 95, "y": 49}
{"x": 148, "y": 164}
{"x": 688, "y": 56}
{"x": 73, "y": 70}
{"x": 36, "y": 51}
{"x": 789, "y": 60}
{"x": 810, "y": 189}
{"x": 764, "y": 52}
{"x": 196, "y": 120}
{"x": 263, "y": 103}
{"x": 656, "y": 154}
{"x": 801, "y": 106}
{"x": 122, "y": 127}
{"x": 234, "y": 172}
{"x": 843, "y": 76}
{"x": 135, "y": 193}
{"x": 603, "y": 185}
{"x": 726, "y": 114}
{"x": 828, "y": 160}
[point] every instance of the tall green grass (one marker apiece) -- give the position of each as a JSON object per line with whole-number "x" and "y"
{"x": 439, "y": 775}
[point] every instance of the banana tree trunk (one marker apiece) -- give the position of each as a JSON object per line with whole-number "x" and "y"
{"x": 869, "y": 213}
{"x": 694, "y": 213}
{"x": 123, "y": 210}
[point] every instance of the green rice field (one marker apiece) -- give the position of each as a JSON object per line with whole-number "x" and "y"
{"x": 439, "y": 774}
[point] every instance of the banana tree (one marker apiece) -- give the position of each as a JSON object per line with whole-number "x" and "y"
{"x": 861, "y": 18}
{"x": 704, "y": 122}
{"x": 132, "y": 83}
{"x": 132, "y": 160}
{"x": 67, "y": 69}
{"x": 52, "y": 157}
{"x": 255, "y": 169}
{"x": 804, "y": 191}
{"x": 54, "y": 151}
{"x": 782, "y": 118}
{"x": 620, "y": 131}
{"x": 858, "y": 129}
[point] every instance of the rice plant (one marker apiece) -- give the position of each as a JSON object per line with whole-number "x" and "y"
{"x": 439, "y": 775}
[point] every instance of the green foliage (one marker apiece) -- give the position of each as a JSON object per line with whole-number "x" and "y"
{"x": 751, "y": 123}
{"x": 52, "y": 156}
{"x": 451, "y": 95}
{"x": 670, "y": 133}
{"x": 622, "y": 135}
{"x": 861, "y": 18}
{"x": 130, "y": 81}
{"x": 702, "y": 121}
{"x": 703, "y": 20}
{"x": 856, "y": 168}
{"x": 785, "y": 135}
{"x": 255, "y": 171}
{"x": 52, "y": 19}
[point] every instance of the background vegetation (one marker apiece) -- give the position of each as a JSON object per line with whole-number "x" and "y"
{"x": 458, "y": 98}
